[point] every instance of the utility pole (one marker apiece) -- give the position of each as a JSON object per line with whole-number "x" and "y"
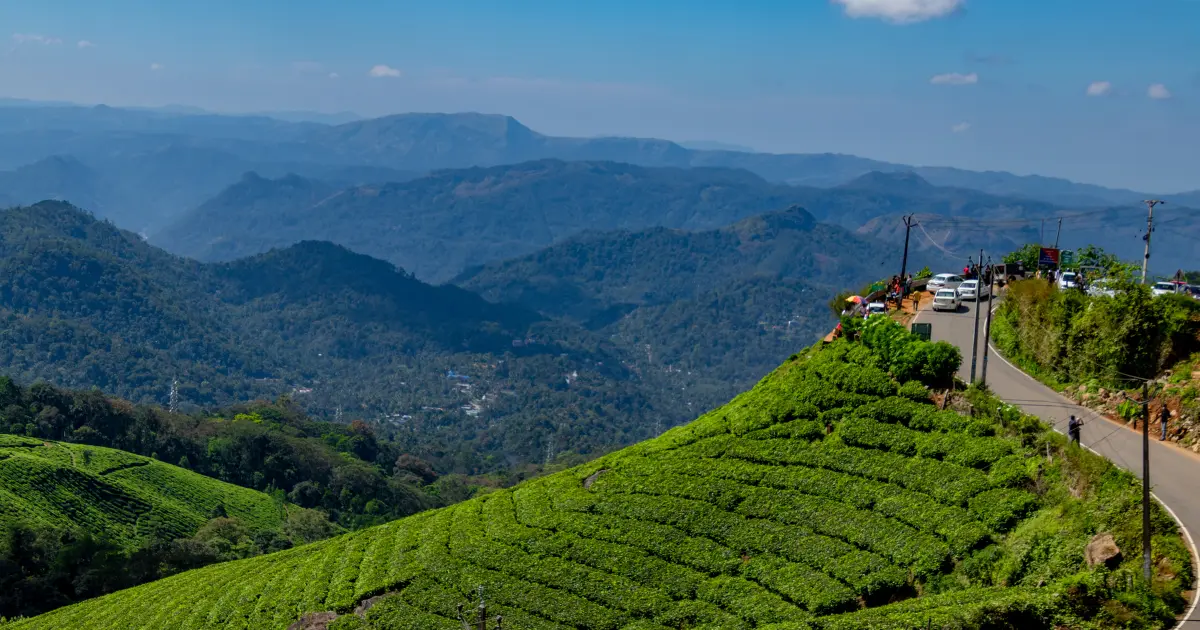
{"x": 975, "y": 329}
{"x": 908, "y": 226}
{"x": 1146, "y": 481}
{"x": 1042, "y": 235}
{"x": 1058, "y": 233}
{"x": 987, "y": 328}
{"x": 1150, "y": 203}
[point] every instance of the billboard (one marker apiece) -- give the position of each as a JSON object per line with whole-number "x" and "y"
{"x": 1048, "y": 257}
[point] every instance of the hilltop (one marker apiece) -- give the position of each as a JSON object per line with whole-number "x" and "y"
{"x": 833, "y": 495}
{"x": 84, "y": 304}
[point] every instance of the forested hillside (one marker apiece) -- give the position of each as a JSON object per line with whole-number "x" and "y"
{"x": 834, "y": 495}
{"x": 471, "y": 385}
{"x": 719, "y": 308}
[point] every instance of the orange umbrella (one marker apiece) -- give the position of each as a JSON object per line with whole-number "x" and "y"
{"x": 854, "y": 298}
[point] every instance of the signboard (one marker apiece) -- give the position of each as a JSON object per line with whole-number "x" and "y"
{"x": 924, "y": 331}
{"x": 878, "y": 286}
{"x": 1068, "y": 257}
{"x": 1048, "y": 257}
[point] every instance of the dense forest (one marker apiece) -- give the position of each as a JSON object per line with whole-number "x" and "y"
{"x": 468, "y": 385}
{"x": 713, "y": 309}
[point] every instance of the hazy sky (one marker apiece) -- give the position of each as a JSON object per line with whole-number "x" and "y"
{"x": 1102, "y": 91}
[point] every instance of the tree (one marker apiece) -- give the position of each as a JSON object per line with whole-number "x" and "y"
{"x": 1028, "y": 256}
{"x": 304, "y": 526}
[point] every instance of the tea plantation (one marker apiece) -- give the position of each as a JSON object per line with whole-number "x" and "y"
{"x": 831, "y": 496}
{"x": 122, "y": 496}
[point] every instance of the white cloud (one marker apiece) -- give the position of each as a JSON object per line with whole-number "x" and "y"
{"x": 954, "y": 78}
{"x": 156, "y": 66}
{"x": 900, "y": 11}
{"x": 1099, "y": 88}
{"x": 1158, "y": 92}
{"x": 83, "y": 43}
{"x": 333, "y": 75}
{"x": 32, "y": 38}
{"x": 961, "y": 127}
{"x": 384, "y": 71}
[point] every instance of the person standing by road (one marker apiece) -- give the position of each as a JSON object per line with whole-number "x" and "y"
{"x": 1164, "y": 417}
{"x": 1073, "y": 426}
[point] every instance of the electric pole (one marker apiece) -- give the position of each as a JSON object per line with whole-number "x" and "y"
{"x": 987, "y": 328}
{"x": 975, "y": 329}
{"x": 1146, "y": 481}
{"x": 1150, "y": 203}
{"x": 1058, "y": 233}
{"x": 908, "y": 226}
{"x": 1042, "y": 235}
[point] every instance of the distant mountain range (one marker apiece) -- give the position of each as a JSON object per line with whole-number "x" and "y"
{"x": 440, "y": 224}
{"x": 156, "y": 164}
{"x": 436, "y": 226}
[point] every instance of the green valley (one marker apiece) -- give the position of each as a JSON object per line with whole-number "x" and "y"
{"x": 833, "y": 495}
{"x": 461, "y": 381}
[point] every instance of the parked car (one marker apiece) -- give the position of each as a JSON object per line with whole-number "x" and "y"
{"x": 1194, "y": 291}
{"x": 974, "y": 290}
{"x": 1068, "y": 280}
{"x": 877, "y": 308}
{"x": 1101, "y": 287}
{"x": 1163, "y": 288}
{"x": 944, "y": 281}
{"x": 946, "y": 300}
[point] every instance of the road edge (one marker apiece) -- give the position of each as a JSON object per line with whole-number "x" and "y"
{"x": 1187, "y": 534}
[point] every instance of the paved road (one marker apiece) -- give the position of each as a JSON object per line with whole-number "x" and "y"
{"x": 1174, "y": 473}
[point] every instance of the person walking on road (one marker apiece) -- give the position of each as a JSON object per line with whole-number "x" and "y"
{"x": 1164, "y": 417}
{"x": 1073, "y": 426}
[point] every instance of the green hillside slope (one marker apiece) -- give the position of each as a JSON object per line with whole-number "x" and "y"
{"x": 117, "y": 495}
{"x": 83, "y": 304}
{"x": 833, "y": 495}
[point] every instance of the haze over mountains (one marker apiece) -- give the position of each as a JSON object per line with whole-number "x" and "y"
{"x": 124, "y": 144}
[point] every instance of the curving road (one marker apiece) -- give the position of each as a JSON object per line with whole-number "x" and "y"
{"x": 1174, "y": 473}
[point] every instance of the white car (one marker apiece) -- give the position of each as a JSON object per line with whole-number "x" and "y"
{"x": 944, "y": 281}
{"x": 877, "y": 308}
{"x": 1163, "y": 288}
{"x": 1101, "y": 287}
{"x": 1068, "y": 280}
{"x": 946, "y": 300}
{"x": 974, "y": 290}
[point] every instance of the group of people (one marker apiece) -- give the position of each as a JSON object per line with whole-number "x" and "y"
{"x": 899, "y": 287}
{"x": 974, "y": 271}
{"x": 1053, "y": 276}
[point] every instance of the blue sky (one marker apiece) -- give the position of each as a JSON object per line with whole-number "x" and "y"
{"x": 981, "y": 84}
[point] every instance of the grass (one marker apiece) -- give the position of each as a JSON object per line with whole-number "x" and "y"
{"x": 783, "y": 510}
{"x": 124, "y": 497}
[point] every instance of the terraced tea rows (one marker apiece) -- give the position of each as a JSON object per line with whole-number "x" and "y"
{"x": 118, "y": 494}
{"x": 782, "y": 510}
